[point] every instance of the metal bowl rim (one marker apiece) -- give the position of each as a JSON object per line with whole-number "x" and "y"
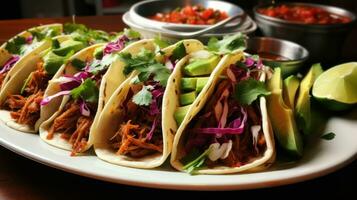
{"x": 134, "y": 7}
{"x": 293, "y": 61}
{"x": 278, "y": 20}
{"x": 128, "y": 21}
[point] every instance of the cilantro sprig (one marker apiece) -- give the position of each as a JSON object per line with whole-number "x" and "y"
{"x": 249, "y": 90}
{"x": 88, "y": 91}
{"x": 14, "y": 46}
{"x": 197, "y": 163}
{"x": 144, "y": 96}
{"x": 228, "y": 44}
{"x": 147, "y": 66}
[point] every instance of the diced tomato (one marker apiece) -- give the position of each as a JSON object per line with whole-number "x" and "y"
{"x": 304, "y": 14}
{"x": 188, "y": 11}
{"x": 192, "y": 15}
{"x": 205, "y": 15}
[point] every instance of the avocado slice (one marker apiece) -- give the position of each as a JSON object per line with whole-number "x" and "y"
{"x": 67, "y": 46}
{"x": 52, "y": 62}
{"x": 290, "y": 87}
{"x": 282, "y": 117}
{"x": 187, "y": 98}
{"x": 201, "y": 67}
{"x": 302, "y": 108}
{"x": 201, "y": 82}
{"x": 180, "y": 113}
{"x": 188, "y": 84}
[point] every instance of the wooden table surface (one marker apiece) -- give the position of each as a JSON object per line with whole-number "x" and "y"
{"x": 21, "y": 178}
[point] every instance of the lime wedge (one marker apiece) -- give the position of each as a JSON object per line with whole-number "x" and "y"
{"x": 337, "y": 87}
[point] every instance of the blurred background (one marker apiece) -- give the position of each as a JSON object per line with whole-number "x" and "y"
{"x": 16, "y": 9}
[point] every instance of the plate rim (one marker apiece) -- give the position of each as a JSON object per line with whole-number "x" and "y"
{"x": 284, "y": 180}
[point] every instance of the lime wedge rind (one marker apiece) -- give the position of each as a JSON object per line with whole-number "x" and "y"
{"x": 337, "y": 85}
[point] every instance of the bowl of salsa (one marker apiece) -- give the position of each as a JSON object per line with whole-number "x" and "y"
{"x": 304, "y": 14}
{"x": 321, "y": 29}
{"x": 183, "y": 15}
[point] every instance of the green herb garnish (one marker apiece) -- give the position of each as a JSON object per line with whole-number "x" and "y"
{"x": 249, "y": 90}
{"x": 328, "y": 136}
{"x": 147, "y": 66}
{"x": 144, "y": 96}
{"x": 88, "y": 91}
{"x": 14, "y": 46}
{"x": 228, "y": 44}
{"x": 197, "y": 163}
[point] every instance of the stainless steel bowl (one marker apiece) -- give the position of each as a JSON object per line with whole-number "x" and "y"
{"x": 142, "y": 10}
{"x": 324, "y": 42}
{"x": 248, "y": 28}
{"x": 294, "y": 55}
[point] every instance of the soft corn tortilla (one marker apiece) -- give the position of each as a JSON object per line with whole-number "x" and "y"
{"x": 111, "y": 114}
{"x": 111, "y": 80}
{"x": 26, "y": 59}
{"x": 177, "y": 152}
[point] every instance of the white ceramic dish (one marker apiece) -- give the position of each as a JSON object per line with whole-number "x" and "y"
{"x": 321, "y": 157}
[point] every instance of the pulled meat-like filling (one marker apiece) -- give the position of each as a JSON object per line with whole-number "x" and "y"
{"x": 73, "y": 126}
{"x": 139, "y": 134}
{"x": 25, "y": 107}
{"x": 223, "y": 108}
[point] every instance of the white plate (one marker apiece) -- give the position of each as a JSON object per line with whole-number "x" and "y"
{"x": 322, "y": 157}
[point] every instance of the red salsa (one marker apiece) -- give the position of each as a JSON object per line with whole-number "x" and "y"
{"x": 304, "y": 14}
{"x": 191, "y": 15}
{"x": 271, "y": 56}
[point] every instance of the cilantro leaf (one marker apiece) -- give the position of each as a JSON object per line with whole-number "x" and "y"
{"x": 88, "y": 91}
{"x": 55, "y": 44}
{"x": 78, "y": 64}
{"x": 144, "y": 96}
{"x": 192, "y": 166}
{"x": 48, "y": 32}
{"x": 228, "y": 44}
{"x": 14, "y": 46}
{"x": 80, "y": 32}
{"x": 52, "y": 61}
{"x": 38, "y": 35}
{"x": 161, "y": 75}
{"x": 130, "y": 33}
{"x": 147, "y": 66}
{"x": 160, "y": 42}
{"x": 179, "y": 52}
{"x": 70, "y": 28}
{"x": 99, "y": 65}
{"x": 249, "y": 90}
{"x": 328, "y": 136}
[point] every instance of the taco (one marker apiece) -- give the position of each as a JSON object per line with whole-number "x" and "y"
{"x": 226, "y": 129}
{"x": 86, "y": 83}
{"x": 133, "y": 130}
{"x": 31, "y": 41}
{"x": 21, "y": 95}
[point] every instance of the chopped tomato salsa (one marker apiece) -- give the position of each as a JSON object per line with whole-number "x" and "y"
{"x": 304, "y": 14}
{"x": 191, "y": 15}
